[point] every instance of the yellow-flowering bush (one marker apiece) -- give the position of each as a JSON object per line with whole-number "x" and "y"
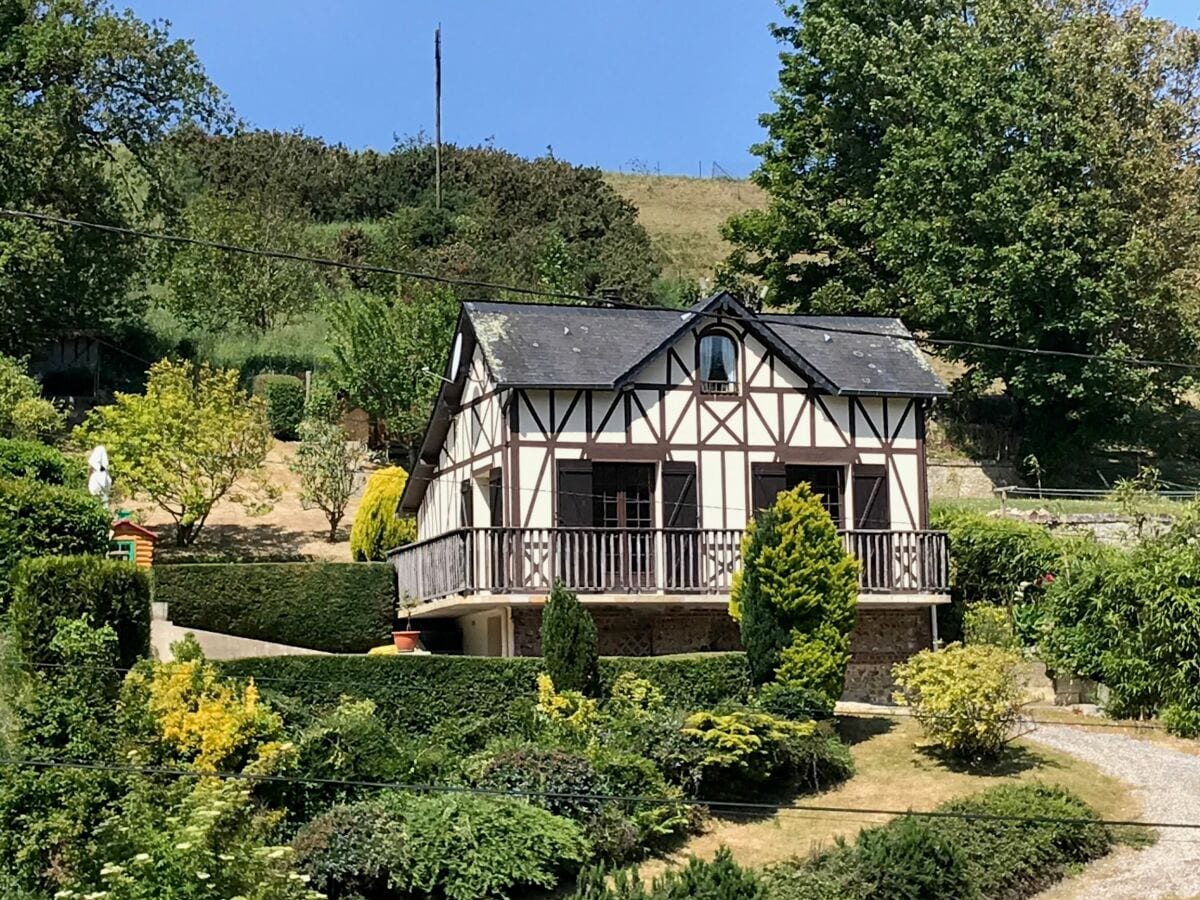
{"x": 966, "y": 698}
{"x": 202, "y": 717}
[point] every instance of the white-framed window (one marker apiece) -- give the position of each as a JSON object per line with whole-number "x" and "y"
{"x": 718, "y": 363}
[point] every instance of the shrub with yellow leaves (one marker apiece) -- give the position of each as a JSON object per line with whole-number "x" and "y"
{"x": 199, "y": 716}
{"x": 967, "y": 699}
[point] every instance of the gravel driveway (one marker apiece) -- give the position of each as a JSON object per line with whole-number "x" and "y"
{"x": 1167, "y": 782}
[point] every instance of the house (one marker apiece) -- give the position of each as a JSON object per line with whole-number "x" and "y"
{"x": 624, "y": 451}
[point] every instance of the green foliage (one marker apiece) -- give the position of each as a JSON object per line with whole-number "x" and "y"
{"x": 67, "y": 710}
{"x": 503, "y": 218}
{"x": 532, "y": 770}
{"x": 1127, "y": 618}
{"x": 1011, "y": 856}
{"x": 24, "y": 415}
{"x": 911, "y": 859}
{"x": 966, "y": 698}
{"x": 416, "y": 693}
{"x": 377, "y": 529}
{"x": 191, "y": 841}
{"x": 104, "y": 591}
{"x": 389, "y": 351}
{"x": 913, "y": 170}
{"x": 633, "y": 696}
{"x": 570, "y": 643}
{"x": 795, "y": 596}
{"x": 745, "y": 750}
{"x": 219, "y": 291}
{"x": 718, "y": 879}
{"x": 349, "y": 743}
{"x": 455, "y": 846}
{"x": 1019, "y": 858}
{"x": 43, "y": 520}
{"x": 88, "y": 94}
{"x": 38, "y": 462}
{"x": 185, "y": 442}
{"x": 330, "y": 469}
{"x": 337, "y": 607}
{"x": 790, "y": 702}
{"x": 285, "y": 403}
{"x": 992, "y": 558}
{"x": 991, "y": 625}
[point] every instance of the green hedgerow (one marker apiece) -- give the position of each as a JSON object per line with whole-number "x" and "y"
{"x": 570, "y": 643}
{"x": 795, "y": 595}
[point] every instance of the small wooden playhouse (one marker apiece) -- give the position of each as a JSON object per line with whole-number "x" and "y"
{"x": 132, "y": 542}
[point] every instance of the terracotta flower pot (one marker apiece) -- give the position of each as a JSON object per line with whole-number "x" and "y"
{"x": 406, "y": 641}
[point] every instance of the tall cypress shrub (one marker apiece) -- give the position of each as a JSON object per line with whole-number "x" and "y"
{"x": 377, "y": 528}
{"x": 794, "y": 597}
{"x": 570, "y": 644}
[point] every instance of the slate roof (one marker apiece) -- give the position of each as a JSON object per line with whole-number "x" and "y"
{"x": 528, "y": 345}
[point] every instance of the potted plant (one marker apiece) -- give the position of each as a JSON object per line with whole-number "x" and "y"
{"x": 406, "y": 640}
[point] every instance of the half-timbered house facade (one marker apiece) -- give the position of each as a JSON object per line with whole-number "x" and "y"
{"x": 624, "y": 451}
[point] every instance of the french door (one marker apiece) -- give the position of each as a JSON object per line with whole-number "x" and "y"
{"x": 623, "y": 507}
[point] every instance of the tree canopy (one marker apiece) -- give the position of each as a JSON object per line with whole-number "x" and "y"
{"x": 86, "y": 94}
{"x": 997, "y": 171}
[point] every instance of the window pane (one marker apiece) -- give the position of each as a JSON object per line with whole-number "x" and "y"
{"x": 717, "y": 360}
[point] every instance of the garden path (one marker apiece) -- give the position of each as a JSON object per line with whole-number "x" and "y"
{"x": 1167, "y": 782}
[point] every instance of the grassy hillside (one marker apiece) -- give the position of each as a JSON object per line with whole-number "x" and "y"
{"x": 684, "y": 216}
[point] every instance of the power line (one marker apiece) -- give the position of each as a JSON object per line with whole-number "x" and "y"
{"x": 46, "y": 218}
{"x": 734, "y": 806}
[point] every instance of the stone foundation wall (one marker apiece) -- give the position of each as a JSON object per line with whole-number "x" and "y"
{"x": 626, "y": 632}
{"x": 881, "y": 638}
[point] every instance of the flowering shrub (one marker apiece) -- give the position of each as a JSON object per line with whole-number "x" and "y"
{"x": 210, "y": 841}
{"x": 201, "y": 717}
{"x": 966, "y": 698}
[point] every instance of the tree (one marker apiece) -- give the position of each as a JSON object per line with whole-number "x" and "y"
{"x": 570, "y": 643}
{"x": 329, "y": 467}
{"x": 377, "y": 527}
{"x": 217, "y": 290}
{"x": 1009, "y": 172}
{"x": 186, "y": 442}
{"x": 795, "y": 597}
{"x": 389, "y": 352}
{"x": 86, "y": 93}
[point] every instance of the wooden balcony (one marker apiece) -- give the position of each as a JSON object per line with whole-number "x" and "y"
{"x": 641, "y": 561}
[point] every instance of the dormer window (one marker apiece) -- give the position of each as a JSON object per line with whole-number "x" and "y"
{"x": 718, "y": 363}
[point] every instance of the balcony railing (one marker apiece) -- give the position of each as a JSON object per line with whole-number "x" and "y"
{"x": 641, "y": 561}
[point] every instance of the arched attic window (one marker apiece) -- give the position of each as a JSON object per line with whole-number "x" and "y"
{"x": 717, "y": 354}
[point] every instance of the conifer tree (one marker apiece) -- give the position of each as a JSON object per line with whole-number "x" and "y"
{"x": 569, "y": 643}
{"x": 795, "y": 595}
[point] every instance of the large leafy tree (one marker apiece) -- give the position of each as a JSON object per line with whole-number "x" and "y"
{"x": 389, "y": 353}
{"x": 217, "y": 290}
{"x": 86, "y": 93}
{"x": 1000, "y": 171}
{"x": 186, "y": 442}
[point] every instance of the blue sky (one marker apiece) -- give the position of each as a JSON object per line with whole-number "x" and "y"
{"x": 664, "y": 84}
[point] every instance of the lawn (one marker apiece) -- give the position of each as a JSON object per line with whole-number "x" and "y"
{"x": 894, "y": 772}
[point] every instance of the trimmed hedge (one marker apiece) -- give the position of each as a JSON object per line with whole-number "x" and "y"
{"x": 992, "y": 556}
{"x": 47, "y": 520}
{"x": 285, "y": 403}
{"x": 336, "y": 607}
{"x": 1000, "y": 858}
{"x": 39, "y": 462}
{"x": 418, "y": 692}
{"x": 107, "y": 591}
